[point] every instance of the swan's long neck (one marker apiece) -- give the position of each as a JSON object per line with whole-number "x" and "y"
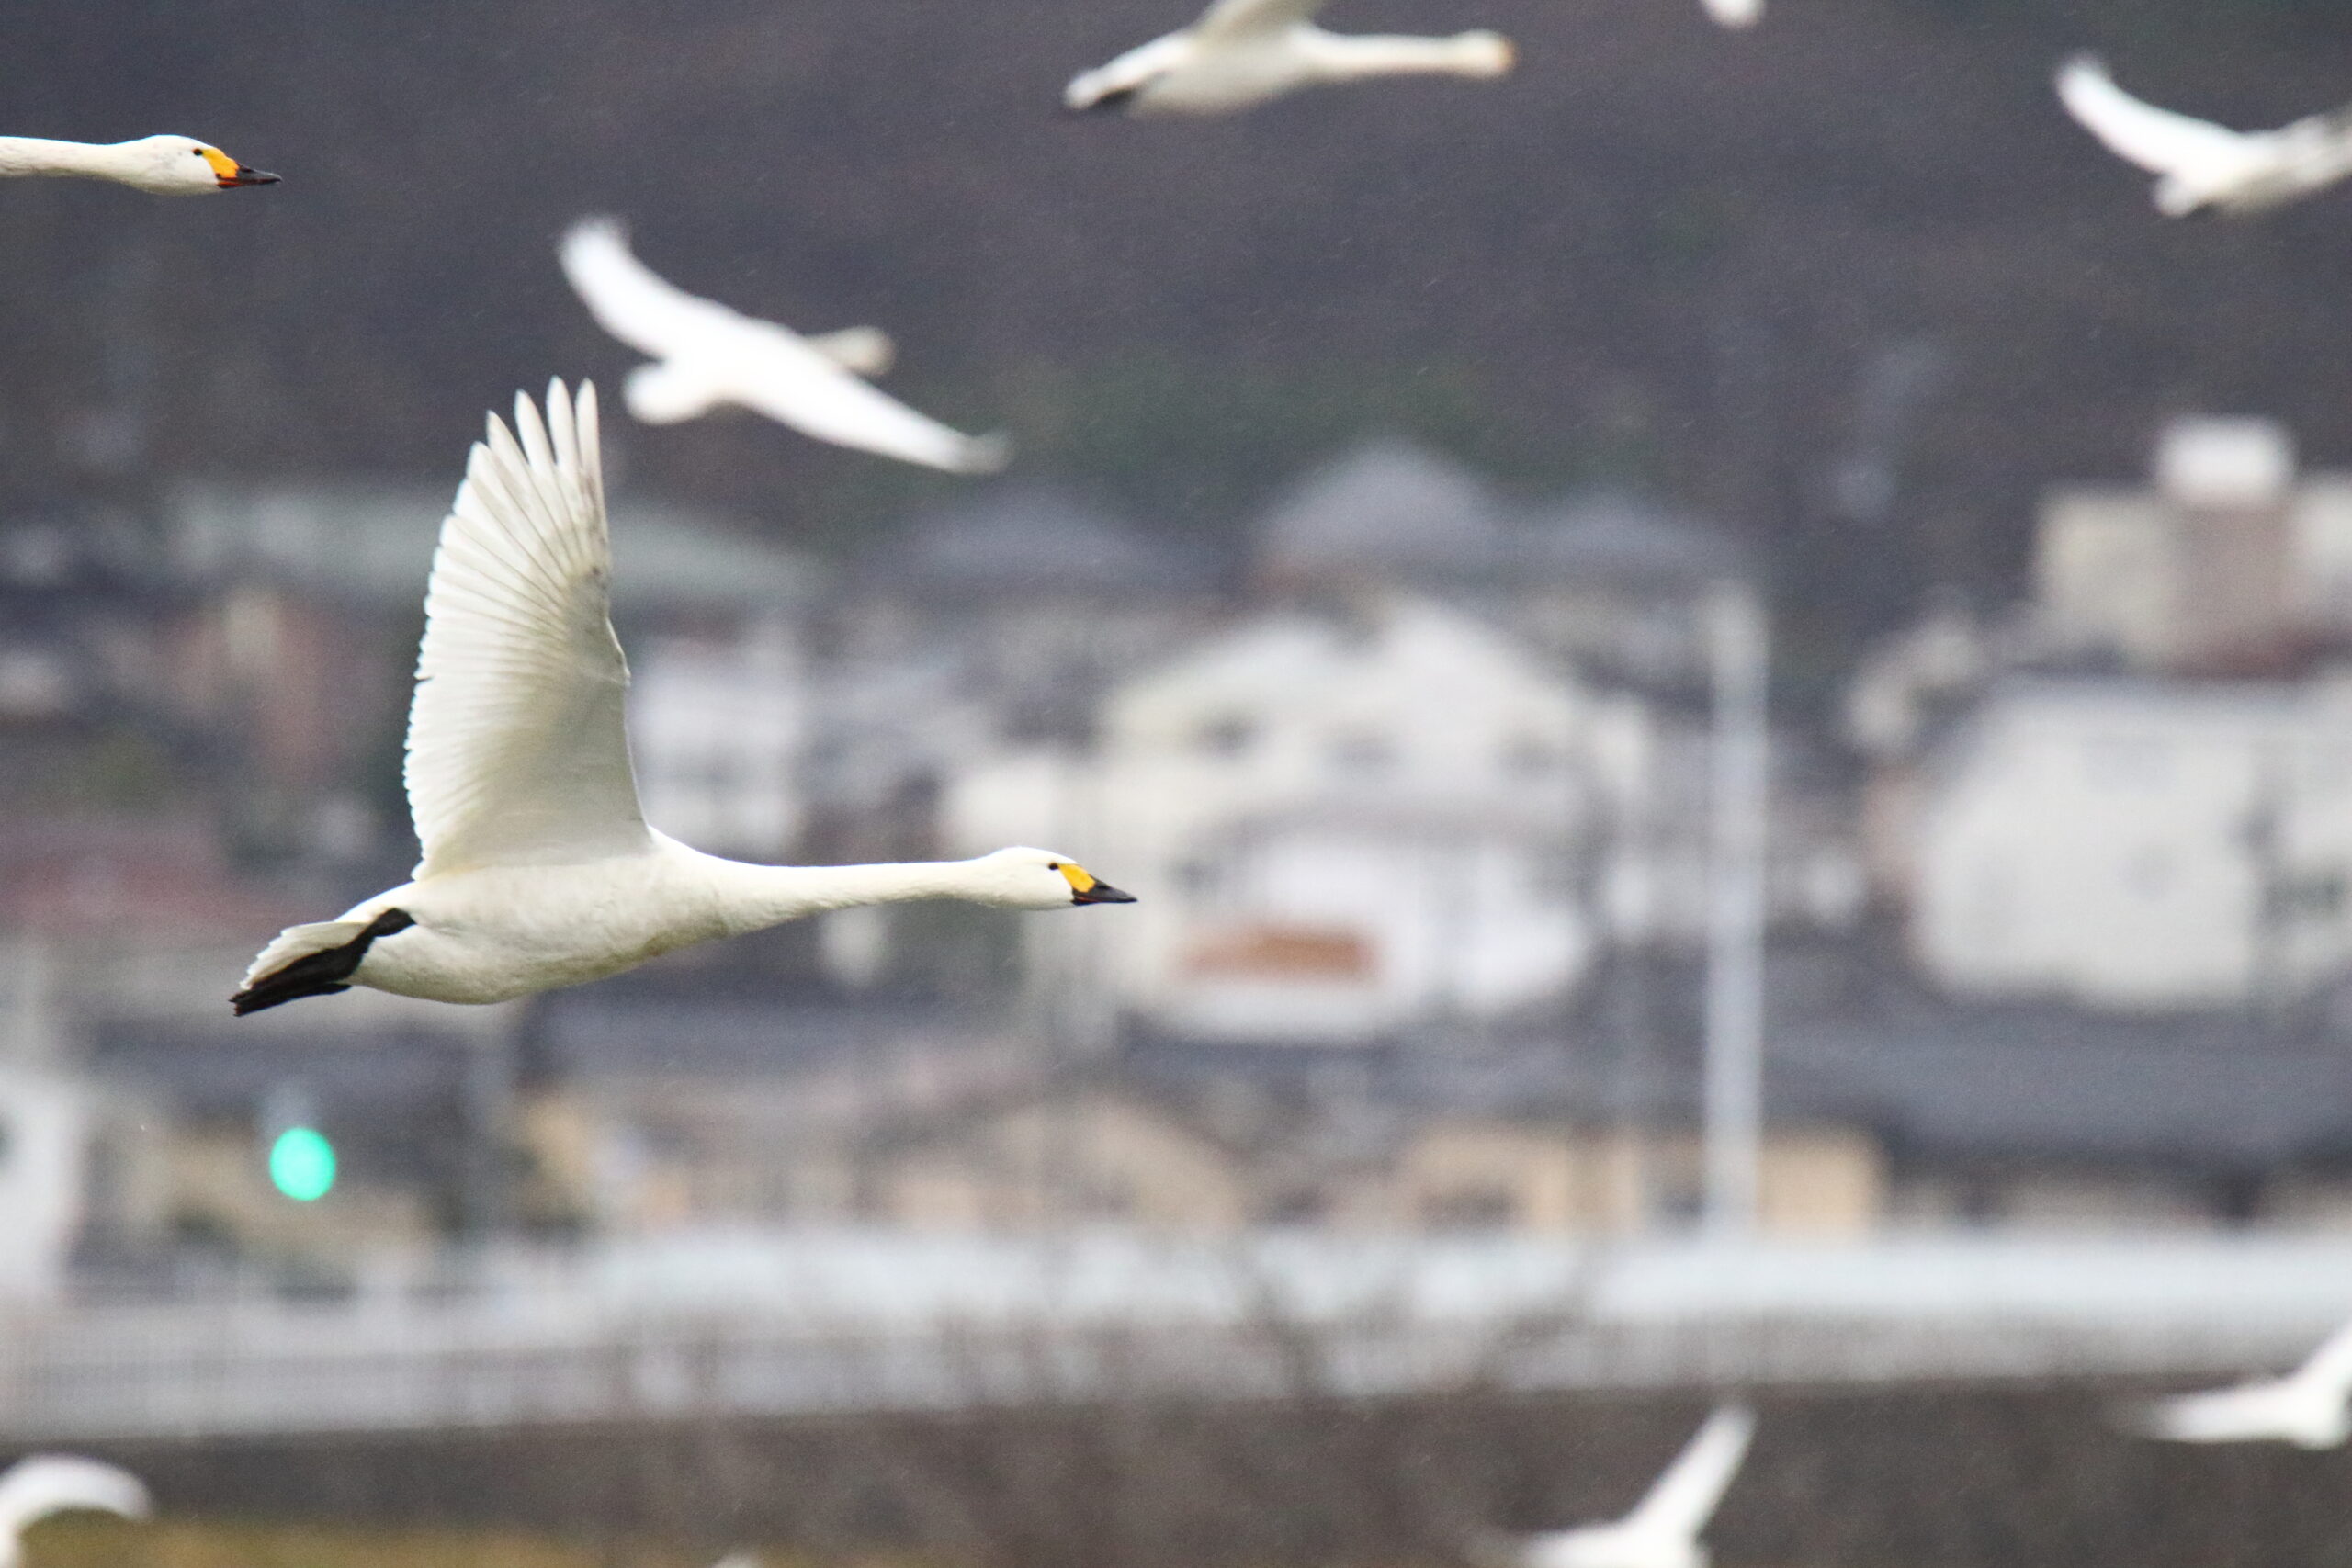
{"x": 33, "y": 155}
{"x": 754, "y": 897}
{"x": 1348, "y": 56}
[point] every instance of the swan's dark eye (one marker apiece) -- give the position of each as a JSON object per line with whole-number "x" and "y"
{"x": 195, "y": 151}
{"x": 1053, "y": 865}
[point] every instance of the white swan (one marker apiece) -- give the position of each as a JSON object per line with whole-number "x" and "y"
{"x": 1242, "y": 52}
{"x": 2204, "y": 164}
{"x": 35, "y": 1487}
{"x": 2308, "y": 1407}
{"x": 708, "y": 354}
{"x": 1663, "y": 1530}
{"x": 168, "y": 166}
{"x": 539, "y": 869}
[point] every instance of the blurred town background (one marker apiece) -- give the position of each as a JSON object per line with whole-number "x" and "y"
{"x": 1392, "y": 467}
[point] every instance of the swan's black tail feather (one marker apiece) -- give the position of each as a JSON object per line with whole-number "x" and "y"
{"x": 318, "y": 973}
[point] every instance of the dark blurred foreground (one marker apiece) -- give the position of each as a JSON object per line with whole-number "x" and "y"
{"x": 1949, "y": 1474}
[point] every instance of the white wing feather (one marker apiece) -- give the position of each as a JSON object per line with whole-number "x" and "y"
{"x": 1680, "y": 1502}
{"x": 34, "y": 1488}
{"x": 517, "y": 753}
{"x": 761, "y": 365}
{"x": 2157, "y": 140}
{"x": 1229, "y": 21}
{"x": 2330, "y": 1366}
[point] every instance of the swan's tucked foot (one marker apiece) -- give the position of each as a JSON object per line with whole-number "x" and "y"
{"x": 318, "y": 969}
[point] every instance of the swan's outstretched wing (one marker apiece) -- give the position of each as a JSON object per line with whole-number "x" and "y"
{"x": 35, "y": 1487}
{"x": 516, "y": 750}
{"x": 1230, "y": 20}
{"x": 817, "y": 397}
{"x": 2157, "y": 140}
{"x": 2222, "y": 1415}
{"x": 2330, "y": 1366}
{"x": 630, "y": 300}
{"x": 1681, "y": 1501}
{"x": 1736, "y": 13}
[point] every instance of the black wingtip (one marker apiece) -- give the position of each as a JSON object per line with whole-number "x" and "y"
{"x": 321, "y": 974}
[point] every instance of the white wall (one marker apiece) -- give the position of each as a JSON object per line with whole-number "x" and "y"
{"x": 2139, "y": 847}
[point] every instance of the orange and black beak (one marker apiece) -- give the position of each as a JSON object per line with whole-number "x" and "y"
{"x": 229, "y": 173}
{"x": 1085, "y": 887}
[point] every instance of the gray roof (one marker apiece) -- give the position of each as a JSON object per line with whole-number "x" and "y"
{"x": 1388, "y": 506}
{"x": 1029, "y": 538}
{"x": 1620, "y": 537}
{"x": 375, "y": 542}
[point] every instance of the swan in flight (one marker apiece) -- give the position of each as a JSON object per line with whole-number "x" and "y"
{"x": 2204, "y": 164}
{"x": 167, "y": 165}
{"x": 706, "y": 355}
{"x": 539, "y": 870}
{"x": 1663, "y": 1530}
{"x": 34, "y": 1488}
{"x": 2307, "y": 1407}
{"x": 1242, "y": 52}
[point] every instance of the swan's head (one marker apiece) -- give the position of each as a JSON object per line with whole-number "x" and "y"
{"x": 1040, "y": 879}
{"x": 182, "y": 165}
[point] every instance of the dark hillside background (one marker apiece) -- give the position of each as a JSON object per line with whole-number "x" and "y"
{"x": 1727, "y": 264}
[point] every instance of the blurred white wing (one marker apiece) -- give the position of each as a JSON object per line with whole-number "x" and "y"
{"x": 1681, "y": 1501}
{"x": 2225, "y": 1416}
{"x": 36, "y": 1487}
{"x": 1229, "y": 21}
{"x": 819, "y": 398}
{"x": 2157, "y": 140}
{"x": 1736, "y": 13}
{"x": 2330, "y": 1366}
{"x": 631, "y": 301}
{"x": 516, "y": 750}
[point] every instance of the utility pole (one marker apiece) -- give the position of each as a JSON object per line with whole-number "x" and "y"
{"x": 1734, "y": 1098}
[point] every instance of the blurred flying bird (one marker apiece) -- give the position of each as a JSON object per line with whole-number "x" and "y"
{"x": 708, "y": 354}
{"x": 1736, "y": 13}
{"x": 1242, "y": 52}
{"x": 168, "y": 166}
{"x": 539, "y": 870}
{"x": 34, "y": 1488}
{"x": 2308, "y": 1407}
{"x": 2204, "y": 164}
{"x": 1663, "y": 1530}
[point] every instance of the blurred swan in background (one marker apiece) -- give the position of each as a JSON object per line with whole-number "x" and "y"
{"x": 35, "y": 1487}
{"x": 1663, "y": 1530}
{"x": 539, "y": 870}
{"x": 2309, "y": 1407}
{"x": 167, "y": 165}
{"x": 2204, "y": 164}
{"x": 706, "y": 355}
{"x": 1242, "y": 52}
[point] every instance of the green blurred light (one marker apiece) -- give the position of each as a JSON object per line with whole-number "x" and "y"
{"x": 301, "y": 1164}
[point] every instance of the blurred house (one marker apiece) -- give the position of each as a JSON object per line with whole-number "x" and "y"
{"x": 1346, "y": 823}
{"x": 299, "y": 660}
{"x": 2227, "y": 560}
{"x": 2138, "y": 845}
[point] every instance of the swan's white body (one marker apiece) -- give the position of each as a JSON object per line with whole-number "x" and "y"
{"x": 167, "y": 165}
{"x": 1243, "y": 52}
{"x": 35, "y": 1487}
{"x": 2309, "y": 1407}
{"x": 1663, "y": 1530}
{"x": 2202, "y": 164}
{"x": 708, "y": 355}
{"x": 539, "y": 870}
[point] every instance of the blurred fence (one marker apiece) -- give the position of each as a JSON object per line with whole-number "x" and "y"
{"x": 780, "y": 1326}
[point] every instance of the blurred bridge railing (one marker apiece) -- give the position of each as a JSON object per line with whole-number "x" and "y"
{"x": 779, "y": 1326}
